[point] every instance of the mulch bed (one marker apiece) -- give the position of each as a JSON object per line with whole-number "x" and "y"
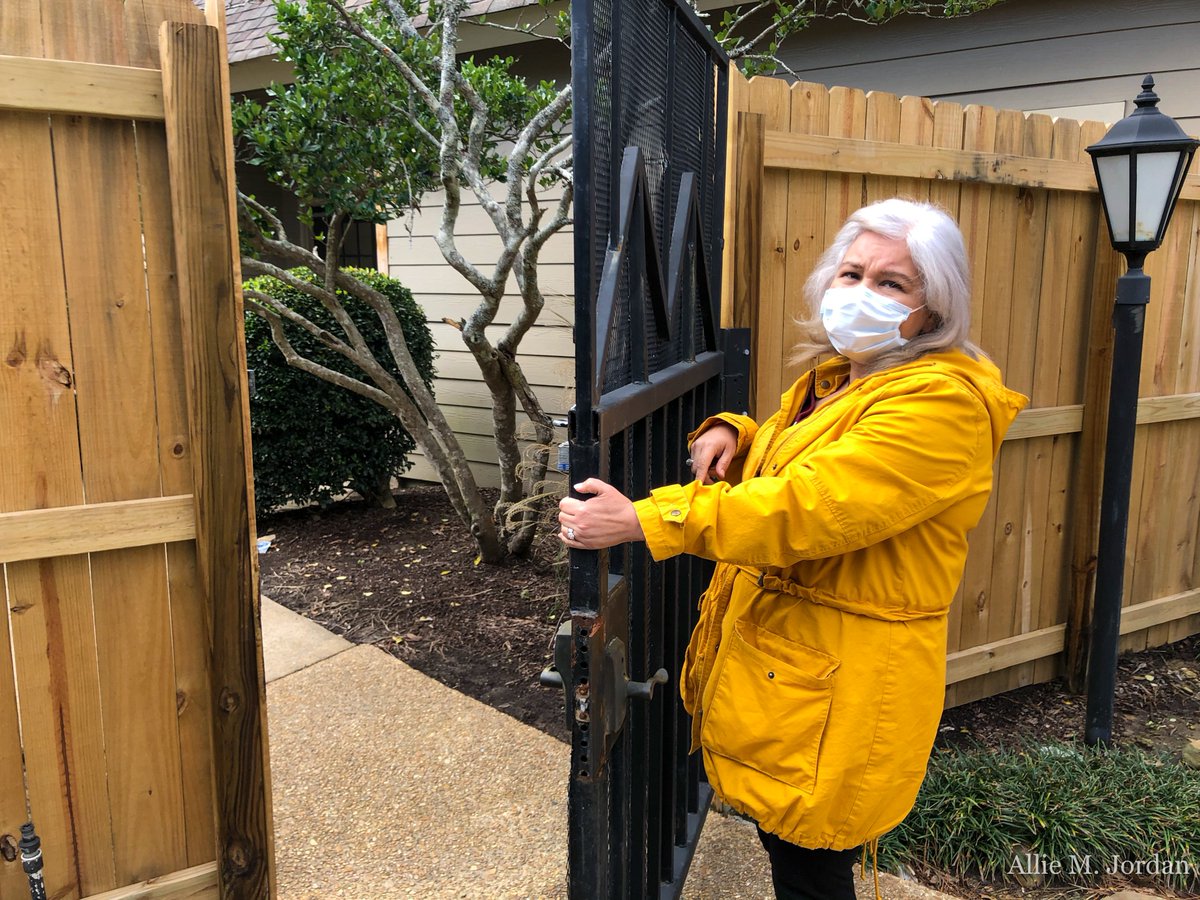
{"x": 406, "y": 581}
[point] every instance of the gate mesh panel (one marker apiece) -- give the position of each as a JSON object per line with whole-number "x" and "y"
{"x": 652, "y": 85}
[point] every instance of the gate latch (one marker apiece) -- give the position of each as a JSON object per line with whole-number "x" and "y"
{"x": 615, "y": 684}
{"x": 552, "y": 675}
{"x": 618, "y": 689}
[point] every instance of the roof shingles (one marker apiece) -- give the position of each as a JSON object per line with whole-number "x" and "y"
{"x": 249, "y": 23}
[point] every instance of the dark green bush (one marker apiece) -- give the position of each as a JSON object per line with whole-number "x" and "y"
{"x": 313, "y": 438}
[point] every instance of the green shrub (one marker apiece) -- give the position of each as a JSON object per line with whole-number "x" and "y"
{"x": 980, "y": 808}
{"x": 312, "y": 438}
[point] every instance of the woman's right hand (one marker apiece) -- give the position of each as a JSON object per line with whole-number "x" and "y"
{"x": 713, "y": 451}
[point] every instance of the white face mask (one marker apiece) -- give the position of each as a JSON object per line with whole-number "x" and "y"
{"x": 861, "y": 324}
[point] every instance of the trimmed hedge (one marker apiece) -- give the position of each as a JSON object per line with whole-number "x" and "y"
{"x": 312, "y": 439}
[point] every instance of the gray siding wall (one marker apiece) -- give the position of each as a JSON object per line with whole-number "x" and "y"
{"x": 547, "y": 351}
{"x": 1071, "y": 57}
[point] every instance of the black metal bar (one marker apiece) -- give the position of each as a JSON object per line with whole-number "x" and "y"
{"x": 1129, "y": 317}
{"x": 735, "y": 382}
{"x": 584, "y": 208}
{"x": 618, "y": 409}
{"x": 700, "y": 31}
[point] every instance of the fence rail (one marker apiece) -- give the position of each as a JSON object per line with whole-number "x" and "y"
{"x": 803, "y": 157}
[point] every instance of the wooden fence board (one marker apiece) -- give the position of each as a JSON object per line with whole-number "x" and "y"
{"x": 1058, "y": 349}
{"x": 948, "y": 123}
{"x": 1153, "y": 572}
{"x": 77, "y": 88}
{"x": 883, "y": 126}
{"x": 806, "y": 217}
{"x": 217, "y": 392}
{"x": 917, "y": 130}
{"x": 843, "y": 191}
{"x": 974, "y": 216}
{"x": 104, "y": 268}
{"x": 771, "y": 98}
{"x": 54, "y": 645}
{"x": 998, "y": 305}
{"x": 948, "y": 132}
{"x": 196, "y": 883}
{"x": 190, "y": 612}
{"x": 68, "y": 530}
{"x": 970, "y": 165}
{"x": 1009, "y": 298}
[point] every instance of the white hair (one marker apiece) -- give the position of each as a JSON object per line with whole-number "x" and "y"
{"x": 937, "y": 250}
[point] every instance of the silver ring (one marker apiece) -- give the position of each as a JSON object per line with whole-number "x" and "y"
{"x": 570, "y": 534}
{"x": 688, "y": 461}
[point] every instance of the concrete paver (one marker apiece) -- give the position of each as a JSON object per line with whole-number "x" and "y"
{"x": 388, "y": 784}
{"x": 292, "y": 642}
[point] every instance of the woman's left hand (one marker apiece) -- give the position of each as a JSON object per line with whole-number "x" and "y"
{"x": 607, "y": 519}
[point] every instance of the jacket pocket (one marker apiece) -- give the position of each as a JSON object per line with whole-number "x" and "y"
{"x": 770, "y": 705}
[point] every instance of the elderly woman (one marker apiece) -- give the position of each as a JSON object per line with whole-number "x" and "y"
{"x": 816, "y": 674}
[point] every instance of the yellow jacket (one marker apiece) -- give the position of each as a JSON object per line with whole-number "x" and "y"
{"x": 816, "y": 674}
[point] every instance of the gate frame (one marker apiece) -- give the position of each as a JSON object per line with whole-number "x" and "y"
{"x": 590, "y": 656}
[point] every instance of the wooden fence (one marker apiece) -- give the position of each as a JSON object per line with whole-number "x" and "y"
{"x": 802, "y": 158}
{"x": 132, "y": 708}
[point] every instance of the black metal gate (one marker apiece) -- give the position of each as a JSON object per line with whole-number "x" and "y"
{"x": 651, "y": 91}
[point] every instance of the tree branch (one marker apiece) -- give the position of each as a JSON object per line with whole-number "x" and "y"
{"x": 531, "y": 132}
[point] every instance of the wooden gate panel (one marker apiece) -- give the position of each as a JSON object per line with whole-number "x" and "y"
{"x": 113, "y": 649}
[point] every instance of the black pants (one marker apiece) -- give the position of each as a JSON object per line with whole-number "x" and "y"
{"x": 802, "y": 874}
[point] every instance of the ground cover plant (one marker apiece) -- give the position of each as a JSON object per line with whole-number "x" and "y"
{"x": 1052, "y": 815}
{"x": 406, "y": 581}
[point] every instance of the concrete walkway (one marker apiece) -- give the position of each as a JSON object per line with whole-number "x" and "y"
{"x": 387, "y": 784}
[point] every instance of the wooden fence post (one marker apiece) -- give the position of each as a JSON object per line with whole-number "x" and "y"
{"x": 205, "y": 232}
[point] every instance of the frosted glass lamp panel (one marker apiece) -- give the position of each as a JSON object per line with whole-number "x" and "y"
{"x": 1114, "y": 179}
{"x": 1156, "y": 181}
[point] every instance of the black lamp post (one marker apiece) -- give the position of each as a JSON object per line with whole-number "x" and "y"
{"x": 1140, "y": 166}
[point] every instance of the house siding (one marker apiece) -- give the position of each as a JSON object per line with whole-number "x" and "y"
{"x": 547, "y": 351}
{"x": 1058, "y": 55}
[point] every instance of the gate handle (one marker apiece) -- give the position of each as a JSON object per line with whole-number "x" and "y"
{"x": 644, "y": 690}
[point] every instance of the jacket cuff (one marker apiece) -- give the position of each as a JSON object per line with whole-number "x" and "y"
{"x": 746, "y": 429}
{"x": 662, "y": 515}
